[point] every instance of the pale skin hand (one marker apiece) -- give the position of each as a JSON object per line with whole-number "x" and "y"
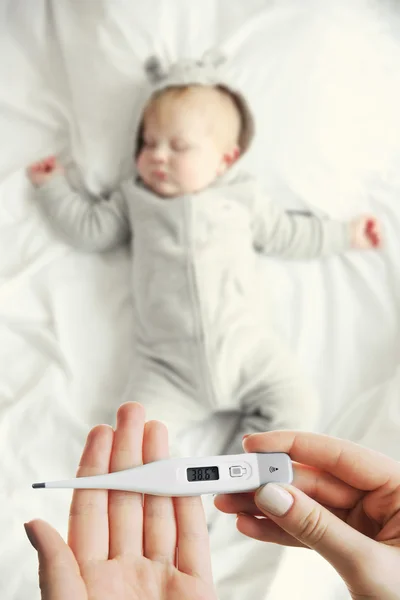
{"x": 366, "y": 233}
{"x": 42, "y": 171}
{"x": 118, "y": 549}
{"x": 346, "y": 507}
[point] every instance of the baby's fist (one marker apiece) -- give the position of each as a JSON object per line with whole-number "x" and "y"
{"x": 42, "y": 171}
{"x": 366, "y": 233}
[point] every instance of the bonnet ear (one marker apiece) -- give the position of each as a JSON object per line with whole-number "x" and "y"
{"x": 154, "y": 69}
{"x": 213, "y": 57}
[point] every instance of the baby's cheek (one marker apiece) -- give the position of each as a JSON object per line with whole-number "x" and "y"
{"x": 141, "y": 162}
{"x": 200, "y": 169}
{"x": 186, "y": 169}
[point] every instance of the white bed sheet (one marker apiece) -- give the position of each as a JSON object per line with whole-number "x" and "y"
{"x": 324, "y": 82}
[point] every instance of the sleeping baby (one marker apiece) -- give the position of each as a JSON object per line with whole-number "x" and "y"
{"x": 196, "y": 222}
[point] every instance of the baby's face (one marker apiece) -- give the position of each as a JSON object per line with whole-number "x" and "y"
{"x": 179, "y": 155}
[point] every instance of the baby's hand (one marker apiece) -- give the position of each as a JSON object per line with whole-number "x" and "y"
{"x": 42, "y": 171}
{"x": 366, "y": 233}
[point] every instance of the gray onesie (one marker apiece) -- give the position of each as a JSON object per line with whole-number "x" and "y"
{"x": 200, "y": 347}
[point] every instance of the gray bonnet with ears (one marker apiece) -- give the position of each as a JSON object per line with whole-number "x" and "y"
{"x": 210, "y": 70}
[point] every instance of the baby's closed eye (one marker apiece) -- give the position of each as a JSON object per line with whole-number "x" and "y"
{"x": 180, "y": 145}
{"x": 150, "y": 143}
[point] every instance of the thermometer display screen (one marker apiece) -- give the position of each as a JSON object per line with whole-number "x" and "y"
{"x": 202, "y": 473}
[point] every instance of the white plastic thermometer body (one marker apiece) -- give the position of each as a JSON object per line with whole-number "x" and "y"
{"x": 227, "y": 474}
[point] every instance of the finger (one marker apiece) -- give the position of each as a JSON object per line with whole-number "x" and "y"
{"x": 370, "y": 224}
{"x": 159, "y": 539}
{"x": 375, "y": 239}
{"x": 383, "y": 507}
{"x": 352, "y": 463}
{"x": 193, "y": 540}
{"x": 50, "y": 163}
{"x": 237, "y": 503}
{"x": 266, "y": 530}
{"x": 372, "y": 233}
{"x": 59, "y": 575}
{"x": 341, "y": 513}
{"x": 316, "y": 527}
{"x": 322, "y": 487}
{"x": 125, "y": 509}
{"x": 245, "y": 504}
{"x": 88, "y": 518}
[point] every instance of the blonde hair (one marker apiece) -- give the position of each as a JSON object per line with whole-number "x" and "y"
{"x": 218, "y": 105}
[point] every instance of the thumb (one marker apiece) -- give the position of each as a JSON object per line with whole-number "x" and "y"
{"x": 345, "y": 548}
{"x": 59, "y": 575}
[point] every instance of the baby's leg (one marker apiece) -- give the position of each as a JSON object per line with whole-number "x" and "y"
{"x": 274, "y": 393}
{"x": 167, "y": 401}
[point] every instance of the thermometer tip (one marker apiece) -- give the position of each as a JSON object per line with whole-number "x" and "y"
{"x": 38, "y": 485}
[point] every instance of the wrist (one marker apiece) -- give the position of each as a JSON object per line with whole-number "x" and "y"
{"x": 54, "y": 177}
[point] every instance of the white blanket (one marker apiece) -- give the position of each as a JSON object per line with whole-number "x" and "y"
{"x": 324, "y": 81}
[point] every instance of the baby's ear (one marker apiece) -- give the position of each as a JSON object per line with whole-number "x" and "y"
{"x": 232, "y": 156}
{"x": 225, "y": 163}
{"x": 222, "y": 167}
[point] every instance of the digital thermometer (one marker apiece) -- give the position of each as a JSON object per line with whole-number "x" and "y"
{"x": 227, "y": 474}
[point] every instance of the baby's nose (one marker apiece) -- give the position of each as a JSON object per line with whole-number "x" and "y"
{"x": 159, "y": 155}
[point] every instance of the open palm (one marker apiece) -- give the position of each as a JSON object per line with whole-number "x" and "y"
{"x": 119, "y": 546}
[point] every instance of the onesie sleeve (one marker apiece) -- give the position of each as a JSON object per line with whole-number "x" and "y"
{"x": 86, "y": 224}
{"x": 277, "y": 232}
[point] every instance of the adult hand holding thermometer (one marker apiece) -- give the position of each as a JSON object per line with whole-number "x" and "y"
{"x": 227, "y": 474}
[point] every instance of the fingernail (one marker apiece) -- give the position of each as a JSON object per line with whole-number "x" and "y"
{"x": 30, "y": 536}
{"x": 245, "y": 436}
{"x": 274, "y": 499}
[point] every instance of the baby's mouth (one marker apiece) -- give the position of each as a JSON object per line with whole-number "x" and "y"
{"x": 160, "y": 175}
